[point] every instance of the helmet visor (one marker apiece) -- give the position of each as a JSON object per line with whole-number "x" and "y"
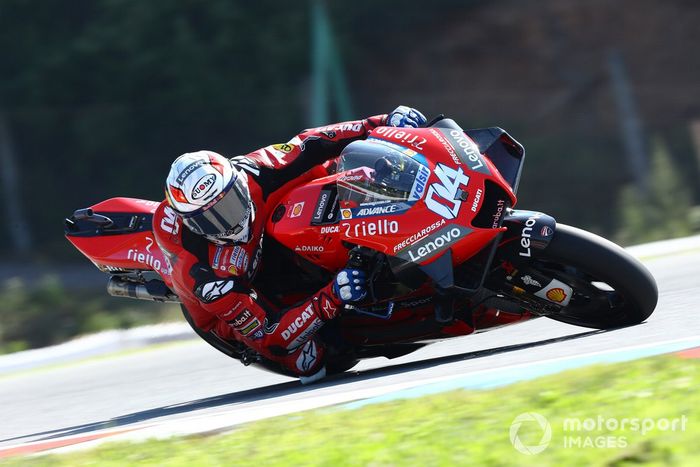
{"x": 226, "y": 215}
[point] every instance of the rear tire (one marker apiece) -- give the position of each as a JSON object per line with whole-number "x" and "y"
{"x": 582, "y": 260}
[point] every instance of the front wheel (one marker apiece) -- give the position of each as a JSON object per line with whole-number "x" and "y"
{"x": 610, "y": 287}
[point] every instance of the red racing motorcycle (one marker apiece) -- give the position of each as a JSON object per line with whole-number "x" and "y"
{"x": 428, "y": 213}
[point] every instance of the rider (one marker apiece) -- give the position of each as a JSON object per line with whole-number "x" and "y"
{"x": 210, "y": 229}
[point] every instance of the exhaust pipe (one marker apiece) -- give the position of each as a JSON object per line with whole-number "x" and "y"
{"x": 154, "y": 290}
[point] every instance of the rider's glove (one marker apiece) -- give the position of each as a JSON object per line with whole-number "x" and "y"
{"x": 404, "y": 116}
{"x": 350, "y": 285}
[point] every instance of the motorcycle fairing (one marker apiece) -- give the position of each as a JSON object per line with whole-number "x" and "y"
{"x": 450, "y": 207}
{"x": 502, "y": 150}
{"x": 116, "y": 235}
{"x": 295, "y": 225}
{"x": 528, "y": 233}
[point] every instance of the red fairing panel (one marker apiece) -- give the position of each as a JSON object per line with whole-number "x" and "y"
{"x": 446, "y": 204}
{"x": 137, "y": 250}
{"x": 318, "y": 243}
{"x": 418, "y": 230}
{"x": 126, "y": 251}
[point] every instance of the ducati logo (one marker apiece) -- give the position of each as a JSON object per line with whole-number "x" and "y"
{"x": 297, "y": 324}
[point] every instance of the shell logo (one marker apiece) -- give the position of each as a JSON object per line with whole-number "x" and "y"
{"x": 346, "y": 213}
{"x": 297, "y": 209}
{"x": 556, "y": 295}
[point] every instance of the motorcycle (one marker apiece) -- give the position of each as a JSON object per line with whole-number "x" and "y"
{"x": 429, "y": 214}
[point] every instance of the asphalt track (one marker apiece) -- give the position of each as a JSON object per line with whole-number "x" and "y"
{"x": 190, "y": 382}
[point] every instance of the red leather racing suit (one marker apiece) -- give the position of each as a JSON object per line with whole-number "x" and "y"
{"x": 216, "y": 283}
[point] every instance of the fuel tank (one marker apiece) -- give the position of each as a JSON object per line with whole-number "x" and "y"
{"x": 306, "y": 221}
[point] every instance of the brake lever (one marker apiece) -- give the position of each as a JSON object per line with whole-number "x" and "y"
{"x": 373, "y": 263}
{"x": 432, "y": 122}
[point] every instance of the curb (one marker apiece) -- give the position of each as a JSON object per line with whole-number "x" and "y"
{"x": 96, "y": 345}
{"x": 504, "y": 376}
{"x": 208, "y": 423}
{"x": 665, "y": 247}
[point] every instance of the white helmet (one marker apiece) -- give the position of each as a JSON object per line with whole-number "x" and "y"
{"x": 211, "y": 195}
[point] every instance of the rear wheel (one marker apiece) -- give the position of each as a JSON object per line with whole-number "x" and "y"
{"x": 611, "y": 288}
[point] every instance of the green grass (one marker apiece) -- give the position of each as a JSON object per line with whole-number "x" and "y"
{"x": 48, "y": 314}
{"x": 455, "y": 428}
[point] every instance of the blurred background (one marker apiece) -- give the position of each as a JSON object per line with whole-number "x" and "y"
{"x": 97, "y": 97}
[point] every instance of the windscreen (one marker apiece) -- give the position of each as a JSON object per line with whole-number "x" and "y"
{"x": 379, "y": 172}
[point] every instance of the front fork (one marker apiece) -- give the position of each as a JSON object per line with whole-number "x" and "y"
{"x": 504, "y": 267}
{"x": 529, "y": 233}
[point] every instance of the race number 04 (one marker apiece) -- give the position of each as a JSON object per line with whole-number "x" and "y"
{"x": 442, "y": 198}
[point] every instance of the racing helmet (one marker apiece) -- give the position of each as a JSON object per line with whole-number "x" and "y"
{"x": 211, "y": 196}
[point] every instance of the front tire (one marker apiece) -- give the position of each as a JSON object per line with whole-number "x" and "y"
{"x": 611, "y": 288}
